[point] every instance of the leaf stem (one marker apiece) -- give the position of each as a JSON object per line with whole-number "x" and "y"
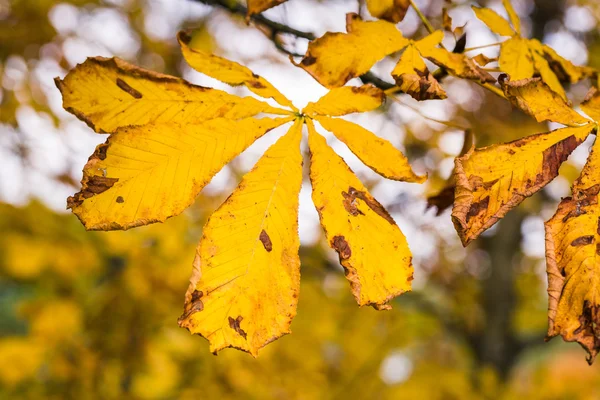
{"x": 423, "y": 17}
{"x": 417, "y": 111}
{"x": 494, "y": 89}
{"x": 392, "y": 90}
{"x": 485, "y": 46}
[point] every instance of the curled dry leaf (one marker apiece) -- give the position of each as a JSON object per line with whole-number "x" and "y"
{"x": 573, "y": 254}
{"x": 493, "y": 180}
{"x": 358, "y": 228}
{"x": 413, "y": 77}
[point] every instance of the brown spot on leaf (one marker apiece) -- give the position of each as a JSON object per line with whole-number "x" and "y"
{"x": 193, "y": 306}
{"x": 588, "y": 332}
{"x": 184, "y": 37}
{"x": 350, "y": 204}
{"x": 100, "y": 151}
{"x": 478, "y": 207}
{"x": 266, "y": 240}
{"x": 126, "y": 88}
{"x": 308, "y": 60}
{"x": 91, "y": 186}
{"x": 340, "y": 245}
{"x": 235, "y": 325}
{"x": 554, "y": 156}
{"x": 582, "y": 241}
{"x": 257, "y": 85}
{"x": 120, "y": 199}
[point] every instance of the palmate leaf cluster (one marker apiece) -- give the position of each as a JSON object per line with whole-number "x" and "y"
{"x": 168, "y": 138}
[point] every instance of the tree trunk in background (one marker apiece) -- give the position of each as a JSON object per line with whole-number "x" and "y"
{"x": 497, "y": 345}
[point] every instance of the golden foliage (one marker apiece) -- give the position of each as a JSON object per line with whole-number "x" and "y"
{"x": 246, "y": 280}
{"x": 146, "y": 174}
{"x": 572, "y": 251}
{"x": 109, "y": 93}
{"x": 335, "y": 58}
{"x": 522, "y": 58}
{"x": 390, "y": 10}
{"x": 358, "y": 228}
{"x": 537, "y": 99}
{"x": 492, "y": 180}
{"x": 168, "y": 138}
{"x": 378, "y": 154}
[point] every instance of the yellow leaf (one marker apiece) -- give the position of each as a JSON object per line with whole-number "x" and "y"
{"x": 244, "y": 290}
{"x": 446, "y": 20}
{"x": 390, "y": 10}
{"x": 515, "y": 59}
{"x": 108, "y": 93}
{"x": 457, "y": 64}
{"x": 378, "y": 154}
{"x": 347, "y": 100}
{"x": 495, "y": 22}
{"x": 535, "y": 98}
{"x": 149, "y": 173}
{"x": 413, "y": 77}
{"x": 512, "y": 15}
{"x": 483, "y": 60}
{"x": 565, "y": 69}
{"x": 335, "y": 58}
{"x": 258, "y": 6}
{"x": 591, "y": 104}
{"x": 371, "y": 247}
{"x": 572, "y": 253}
{"x": 228, "y": 71}
{"x": 543, "y": 68}
{"x": 430, "y": 41}
{"x": 493, "y": 180}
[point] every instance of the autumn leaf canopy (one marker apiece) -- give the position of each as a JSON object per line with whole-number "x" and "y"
{"x": 167, "y": 139}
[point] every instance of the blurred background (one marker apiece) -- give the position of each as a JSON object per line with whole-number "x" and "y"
{"x": 93, "y": 315}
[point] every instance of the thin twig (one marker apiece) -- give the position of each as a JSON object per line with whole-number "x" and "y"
{"x": 494, "y": 89}
{"x": 485, "y": 46}
{"x": 416, "y": 110}
{"x": 424, "y": 19}
{"x": 236, "y": 8}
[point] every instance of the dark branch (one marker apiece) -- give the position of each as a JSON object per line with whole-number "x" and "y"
{"x": 276, "y": 28}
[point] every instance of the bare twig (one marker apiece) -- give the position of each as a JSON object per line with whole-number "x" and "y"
{"x": 277, "y": 28}
{"x": 236, "y": 8}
